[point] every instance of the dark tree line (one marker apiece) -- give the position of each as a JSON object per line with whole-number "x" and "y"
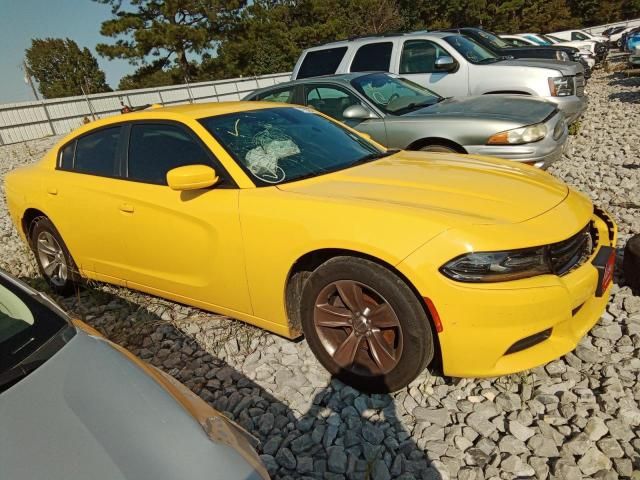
{"x": 174, "y": 41}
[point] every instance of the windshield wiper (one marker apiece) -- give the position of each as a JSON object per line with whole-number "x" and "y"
{"x": 375, "y": 156}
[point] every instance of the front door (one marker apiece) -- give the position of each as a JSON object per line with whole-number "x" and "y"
{"x": 333, "y": 101}
{"x": 184, "y": 245}
{"x": 418, "y": 63}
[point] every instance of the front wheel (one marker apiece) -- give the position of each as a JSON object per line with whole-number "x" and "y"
{"x": 365, "y": 325}
{"x": 52, "y": 256}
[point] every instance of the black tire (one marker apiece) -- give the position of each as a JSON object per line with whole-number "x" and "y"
{"x": 417, "y": 340}
{"x": 438, "y": 148}
{"x": 631, "y": 263}
{"x": 64, "y": 279}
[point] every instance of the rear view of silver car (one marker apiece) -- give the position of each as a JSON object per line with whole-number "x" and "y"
{"x": 74, "y": 406}
{"x": 401, "y": 114}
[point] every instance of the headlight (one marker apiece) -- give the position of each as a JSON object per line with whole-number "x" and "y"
{"x": 562, "y": 55}
{"x": 497, "y": 266}
{"x": 561, "y": 86}
{"x": 518, "y": 136}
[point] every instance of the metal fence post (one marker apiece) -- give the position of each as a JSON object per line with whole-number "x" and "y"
{"x": 160, "y": 96}
{"x": 46, "y": 113}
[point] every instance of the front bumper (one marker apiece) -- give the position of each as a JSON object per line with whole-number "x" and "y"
{"x": 540, "y": 154}
{"x": 482, "y": 322}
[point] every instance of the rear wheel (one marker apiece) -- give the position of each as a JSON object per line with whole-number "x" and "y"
{"x": 52, "y": 256}
{"x": 631, "y": 263}
{"x": 438, "y": 148}
{"x": 365, "y": 325}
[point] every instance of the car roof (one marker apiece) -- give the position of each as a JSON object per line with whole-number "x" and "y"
{"x": 381, "y": 38}
{"x": 344, "y": 78}
{"x": 177, "y": 112}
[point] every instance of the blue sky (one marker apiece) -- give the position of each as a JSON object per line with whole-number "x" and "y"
{"x": 21, "y": 20}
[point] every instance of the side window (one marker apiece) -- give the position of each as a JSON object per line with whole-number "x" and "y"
{"x": 372, "y": 57}
{"x": 97, "y": 152}
{"x": 65, "y": 162}
{"x": 284, "y": 95}
{"x": 419, "y": 56}
{"x": 330, "y": 100}
{"x": 321, "y": 62}
{"x": 154, "y": 149}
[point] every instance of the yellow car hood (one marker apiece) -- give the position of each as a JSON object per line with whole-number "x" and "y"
{"x": 484, "y": 190}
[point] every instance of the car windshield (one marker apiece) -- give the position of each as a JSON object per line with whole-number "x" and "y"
{"x": 549, "y": 39}
{"x": 279, "y": 145}
{"x": 581, "y": 36}
{"x": 493, "y": 39}
{"x": 554, "y": 39}
{"x": 535, "y": 39}
{"x": 471, "y": 50}
{"x": 393, "y": 95}
{"x": 27, "y": 326}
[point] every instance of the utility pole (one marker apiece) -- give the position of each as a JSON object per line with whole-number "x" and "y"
{"x": 28, "y": 80}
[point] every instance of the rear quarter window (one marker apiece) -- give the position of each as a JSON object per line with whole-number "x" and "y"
{"x": 321, "y": 62}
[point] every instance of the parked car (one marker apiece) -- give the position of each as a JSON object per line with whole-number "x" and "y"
{"x": 579, "y": 35}
{"x": 586, "y": 50}
{"x": 633, "y": 46}
{"x": 612, "y": 31}
{"x": 76, "y": 406}
{"x": 498, "y": 46}
{"x": 401, "y": 114}
{"x": 279, "y": 216}
{"x": 617, "y": 39}
{"x": 628, "y": 39}
{"x": 601, "y": 43}
{"x": 453, "y": 64}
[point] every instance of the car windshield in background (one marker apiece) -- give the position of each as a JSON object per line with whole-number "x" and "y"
{"x": 580, "y": 36}
{"x": 394, "y": 95}
{"x": 549, "y": 39}
{"x": 555, "y": 39}
{"x": 471, "y": 50}
{"x": 26, "y": 324}
{"x": 536, "y": 40}
{"x": 279, "y": 145}
{"x": 493, "y": 39}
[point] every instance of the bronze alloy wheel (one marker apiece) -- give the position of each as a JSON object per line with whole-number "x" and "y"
{"x": 358, "y": 328}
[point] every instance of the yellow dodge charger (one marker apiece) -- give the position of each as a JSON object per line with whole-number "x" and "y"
{"x": 276, "y": 215}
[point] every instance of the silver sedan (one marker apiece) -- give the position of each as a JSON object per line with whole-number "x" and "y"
{"x": 401, "y": 114}
{"x": 75, "y": 406}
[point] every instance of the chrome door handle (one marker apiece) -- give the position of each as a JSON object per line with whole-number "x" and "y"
{"x": 125, "y": 207}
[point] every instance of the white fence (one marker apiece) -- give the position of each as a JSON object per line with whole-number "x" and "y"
{"x": 31, "y": 120}
{"x": 601, "y": 28}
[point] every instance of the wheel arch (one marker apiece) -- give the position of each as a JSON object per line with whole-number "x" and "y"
{"x": 423, "y": 142}
{"x": 307, "y": 263}
{"x": 29, "y": 215}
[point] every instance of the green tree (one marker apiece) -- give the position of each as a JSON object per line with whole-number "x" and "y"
{"x": 167, "y": 31}
{"x": 62, "y": 69}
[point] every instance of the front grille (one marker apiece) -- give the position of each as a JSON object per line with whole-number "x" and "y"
{"x": 572, "y": 252}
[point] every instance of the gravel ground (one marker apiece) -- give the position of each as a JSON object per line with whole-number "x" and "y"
{"x": 577, "y": 417}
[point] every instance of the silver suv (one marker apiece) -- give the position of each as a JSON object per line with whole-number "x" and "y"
{"x": 451, "y": 64}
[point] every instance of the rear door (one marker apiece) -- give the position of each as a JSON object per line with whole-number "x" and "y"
{"x": 417, "y": 62}
{"x": 83, "y": 204}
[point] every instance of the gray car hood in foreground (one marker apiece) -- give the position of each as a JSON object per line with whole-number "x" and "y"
{"x": 90, "y": 413}
{"x": 566, "y": 68}
{"x": 520, "y": 109}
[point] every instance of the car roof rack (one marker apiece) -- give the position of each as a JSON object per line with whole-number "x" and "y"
{"x": 386, "y": 34}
